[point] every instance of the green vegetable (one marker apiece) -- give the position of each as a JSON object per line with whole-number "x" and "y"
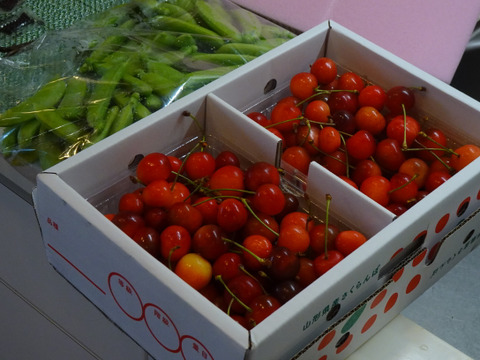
{"x": 153, "y": 102}
{"x": 111, "y": 44}
{"x": 46, "y": 97}
{"x": 110, "y": 118}
{"x": 161, "y": 85}
{"x": 176, "y": 11}
{"x": 203, "y": 36}
{"x": 249, "y": 24}
{"x": 137, "y": 85}
{"x": 140, "y": 111}
{"x": 273, "y": 31}
{"x": 72, "y": 105}
{"x": 188, "y": 5}
{"x": 102, "y": 93}
{"x": 65, "y": 129}
{"x": 243, "y": 49}
{"x": 218, "y": 19}
{"x": 203, "y": 60}
{"x": 165, "y": 71}
{"x": 50, "y": 149}
{"x": 126, "y": 115}
{"x": 27, "y": 132}
{"x": 200, "y": 78}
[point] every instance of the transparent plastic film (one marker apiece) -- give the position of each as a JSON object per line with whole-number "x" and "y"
{"x": 73, "y": 87}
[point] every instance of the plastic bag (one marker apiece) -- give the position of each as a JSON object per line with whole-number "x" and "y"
{"x": 72, "y": 88}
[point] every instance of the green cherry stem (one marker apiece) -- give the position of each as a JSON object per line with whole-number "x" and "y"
{"x": 403, "y": 185}
{"x": 219, "y": 278}
{"x": 328, "y": 199}
{"x": 284, "y": 122}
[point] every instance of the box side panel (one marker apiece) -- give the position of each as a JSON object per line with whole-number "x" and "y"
{"x": 409, "y": 282}
{"x": 166, "y": 317}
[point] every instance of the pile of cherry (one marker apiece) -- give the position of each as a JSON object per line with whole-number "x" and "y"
{"x": 233, "y": 233}
{"x": 368, "y": 136}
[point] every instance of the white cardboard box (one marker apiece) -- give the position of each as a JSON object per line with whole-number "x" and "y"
{"x": 339, "y": 311}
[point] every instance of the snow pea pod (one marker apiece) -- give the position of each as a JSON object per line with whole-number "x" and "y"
{"x": 65, "y": 129}
{"x": 102, "y": 93}
{"x": 125, "y": 116}
{"x": 27, "y": 132}
{"x": 205, "y": 37}
{"x": 46, "y": 97}
{"x": 110, "y": 118}
{"x": 218, "y": 19}
{"x": 72, "y": 105}
{"x": 244, "y": 49}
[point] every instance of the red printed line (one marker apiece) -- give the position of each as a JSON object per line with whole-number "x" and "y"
{"x": 76, "y": 268}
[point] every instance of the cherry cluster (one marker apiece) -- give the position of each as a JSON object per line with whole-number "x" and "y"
{"x": 368, "y": 136}
{"x": 232, "y": 232}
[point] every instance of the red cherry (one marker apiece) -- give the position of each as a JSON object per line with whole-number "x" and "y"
{"x": 297, "y": 157}
{"x": 227, "y": 180}
{"x": 261, "y": 173}
{"x": 149, "y": 239}
{"x": 232, "y": 215}
{"x": 226, "y": 157}
{"x": 154, "y": 166}
{"x": 348, "y": 241}
{"x": 324, "y": 70}
{"x": 260, "y": 308}
{"x": 404, "y": 129}
{"x": 303, "y": 85}
{"x": 372, "y": 95}
{"x": 323, "y": 263}
{"x": 402, "y": 188}
{"x": 268, "y": 199}
{"x": 209, "y": 242}
{"x": 185, "y": 215}
{"x": 259, "y": 118}
{"x": 377, "y": 188}
{"x": 350, "y": 81}
{"x": 389, "y": 154}
{"x": 361, "y": 145}
{"x": 199, "y": 165}
{"x": 175, "y": 242}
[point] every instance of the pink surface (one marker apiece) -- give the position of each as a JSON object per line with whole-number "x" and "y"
{"x": 430, "y": 34}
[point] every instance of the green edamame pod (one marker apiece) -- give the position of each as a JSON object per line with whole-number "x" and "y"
{"x": 67, "y": 130}
{"x": 161, "y": 85}
{"x": 121, "y": 97}
{"x": 273, "y": 31}
{"x": 188, "y": 5}
{"x": 204, "y": 60}
{"x": 175, "y": 11}
{"x": 46, "y": 97}
{"x": 140, "y": 111}
{"x": 101, "y": 95}
{"x": 50, "y": 149}
{"x": 8, "y": 141}
{"x": 137, "y": 85}
{"x": 200, "y": 78}
{"x": 27, "y": 132}
{"x": 243, "y": 49}
{"x": 153, "y": 102}
{"x": 72, "y": 105}
{"x": 126, "y": 115}
{"x": 204, "y": 37}
{"x": 110, "y": 118}
{"x": 111, "y": 44}
{"x": 218, "y": 19}
{"x": 165, "y": 71}
{"x": 249, "y": 24}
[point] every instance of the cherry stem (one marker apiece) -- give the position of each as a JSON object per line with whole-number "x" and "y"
{"x": 258, "y": 258}
{"x": 328, "y": 199}
{"x": 219, "y": 278}
{"x": 284, "y": 122}
{"x": 403, "y": 185}
{"x": 404, "y": 145}
{"x": 170, "y": 253}
{"x": 318, "y": 91}
{"x": 245, "y": 202}
{"x": 444, "y": 148}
